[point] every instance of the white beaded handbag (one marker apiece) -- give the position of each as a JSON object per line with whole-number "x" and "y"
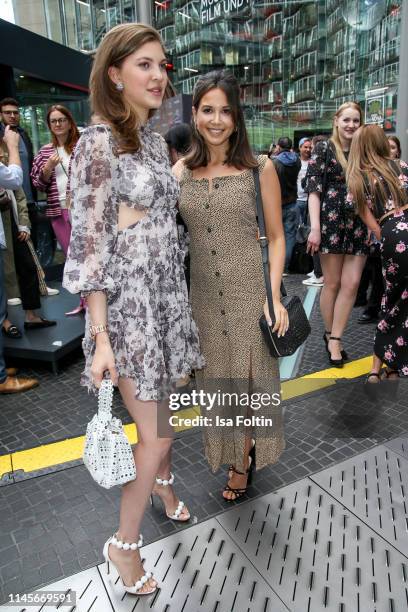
{"x": 107, "y": 453}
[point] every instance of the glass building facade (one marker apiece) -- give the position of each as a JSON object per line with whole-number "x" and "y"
{"x": 296, "y": 61}
{"x": 79, "y": 24}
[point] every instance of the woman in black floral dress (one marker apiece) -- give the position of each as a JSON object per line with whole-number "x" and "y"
{"x": 336, "y": 231}
{"x": 379, "y": 188}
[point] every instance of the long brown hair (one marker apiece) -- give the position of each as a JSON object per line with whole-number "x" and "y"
{"x": 370, "y": 172}
{"x": 106, "y": 101}
{"x": 73, "y": 134}
{"x": 335, "y": 138}
{"x": 239, "y": 153}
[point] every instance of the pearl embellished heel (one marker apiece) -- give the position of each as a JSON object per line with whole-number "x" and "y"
{"x": 181, "y": 505}
{"x": 113, "y": 572}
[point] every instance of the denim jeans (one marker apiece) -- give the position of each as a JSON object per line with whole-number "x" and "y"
{"x": 290, "y": 225}
{"x": 3, "y": 310}
{"x": 301, "y": 206}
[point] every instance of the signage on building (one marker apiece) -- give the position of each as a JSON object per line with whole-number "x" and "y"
{"x": 374, "y": 111}
{"x": 210, "y": 10}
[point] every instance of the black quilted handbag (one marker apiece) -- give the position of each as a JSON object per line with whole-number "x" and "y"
{"x": 299, "y": 326}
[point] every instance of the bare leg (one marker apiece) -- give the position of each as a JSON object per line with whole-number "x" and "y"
{"x": 352, "y": 270}
{"x": 148, "y": 453}
{"x": 332, "y": 267}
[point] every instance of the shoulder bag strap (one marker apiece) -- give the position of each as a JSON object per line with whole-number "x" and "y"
{"x": 263, "y": 241}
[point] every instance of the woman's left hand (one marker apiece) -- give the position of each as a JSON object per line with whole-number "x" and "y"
{"x": 281, "y": 325}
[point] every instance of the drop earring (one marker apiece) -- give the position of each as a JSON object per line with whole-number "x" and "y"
{"x": 119, "y": 86}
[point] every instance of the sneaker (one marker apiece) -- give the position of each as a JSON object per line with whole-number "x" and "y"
{"x": 314, "y": 282}
{"x": 14, "y": 302}
{"x": 311, "y": 273}
{"x": 51, "y": 291}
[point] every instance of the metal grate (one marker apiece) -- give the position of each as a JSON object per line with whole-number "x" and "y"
{"x": 316, "y": 555}
{"x": 374, "y": 486}
{"x": 89, "y": 590}
{"x": 399, "y": 445}
{"x": 199, "y": 569}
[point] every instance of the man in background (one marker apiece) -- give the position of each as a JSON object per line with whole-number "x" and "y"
{"x": 11, "y": 177}
{"x": 305, "y": 150}
{"x": 287, "y": 164}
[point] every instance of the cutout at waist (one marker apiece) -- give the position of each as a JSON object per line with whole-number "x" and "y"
{"x": 129, "y": 216}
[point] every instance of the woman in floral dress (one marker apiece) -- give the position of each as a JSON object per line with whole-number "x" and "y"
{"x": 379, "y": 188}
{"x": 336, "y": 231}
{"x": 124, "y": 256}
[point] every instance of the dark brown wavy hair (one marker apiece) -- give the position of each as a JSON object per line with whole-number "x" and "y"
{"x": 239, "y": 153}
{"x": 73, "y": 134}
{"x": 370, "y": 171}
{"x": 106, "y": 101}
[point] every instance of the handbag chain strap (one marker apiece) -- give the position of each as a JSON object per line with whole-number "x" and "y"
{"x": 263, "y": 241}
{"x": 105, "y": 397}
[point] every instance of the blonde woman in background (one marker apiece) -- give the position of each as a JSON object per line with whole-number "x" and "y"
{"x": 337, "y": 233}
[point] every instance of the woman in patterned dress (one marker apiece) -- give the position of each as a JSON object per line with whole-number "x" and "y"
{"x": 217, "y": 203}
{"x": 379, "y": 188}
{"x": 336, "y": 231}
{"x": 125, "y": 258}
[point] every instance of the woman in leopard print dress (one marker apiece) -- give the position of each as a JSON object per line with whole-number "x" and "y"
{"x": 217, "y": 203}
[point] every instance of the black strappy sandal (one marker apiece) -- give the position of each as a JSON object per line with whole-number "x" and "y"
{"x": 337, "y": 363}
{"x": 240, "y": 492}
{"x": 372, "y": 389}
{"x": 390, "y": 385}
{"x": 344, "y": 355}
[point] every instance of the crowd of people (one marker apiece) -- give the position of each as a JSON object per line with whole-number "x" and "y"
{"x": 119, "y": 205}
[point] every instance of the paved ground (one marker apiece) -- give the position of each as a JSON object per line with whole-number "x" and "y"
{"x": 54, "y": 525}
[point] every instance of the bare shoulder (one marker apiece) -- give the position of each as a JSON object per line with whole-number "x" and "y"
{"x": 178, "y": 168}
{"x": 267, "y": 169}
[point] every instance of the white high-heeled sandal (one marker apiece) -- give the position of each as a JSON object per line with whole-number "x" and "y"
{"x": 181, "y": 505}
{"x": 113, "y": 572}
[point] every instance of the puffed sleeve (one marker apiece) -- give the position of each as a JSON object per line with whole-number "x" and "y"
{"x": 94, "y": 212}
{"x": 315, "y": 169}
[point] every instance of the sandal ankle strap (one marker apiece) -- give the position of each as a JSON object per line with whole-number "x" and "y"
{"x": 165, "y": 481}
{"x": 127, "y": 545}
{"x": 334, "y": 338}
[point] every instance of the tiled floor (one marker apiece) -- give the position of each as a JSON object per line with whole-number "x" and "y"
{"x": 54, "y": 525}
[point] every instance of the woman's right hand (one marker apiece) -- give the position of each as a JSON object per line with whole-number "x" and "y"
{"x": 52, "y": 162}
{"x": 103, "y": 360}
{"x": 313, "y": 241}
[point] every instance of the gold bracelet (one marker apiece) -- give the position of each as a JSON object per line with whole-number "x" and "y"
{"x": 97, "y": 329}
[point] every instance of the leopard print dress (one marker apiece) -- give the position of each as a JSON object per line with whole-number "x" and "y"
{"x": 227, "y": 293}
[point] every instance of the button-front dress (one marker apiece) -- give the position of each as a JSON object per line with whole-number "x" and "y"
{"x": 227, "y": 293}
{"x": 140, "y": 268}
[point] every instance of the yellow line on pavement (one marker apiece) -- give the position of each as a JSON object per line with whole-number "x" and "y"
{"x": 71, "y": 449}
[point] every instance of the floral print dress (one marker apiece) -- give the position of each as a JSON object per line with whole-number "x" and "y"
{"x": 391, "y": 338}
{"x": 140, "y": 268}
{"x": 342, "y": 231}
